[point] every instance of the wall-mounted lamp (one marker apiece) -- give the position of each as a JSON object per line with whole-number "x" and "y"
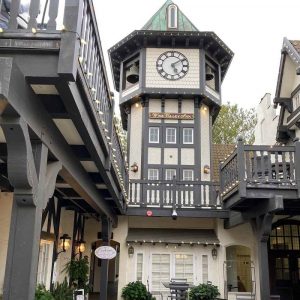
{"x": 206, "y": 169}
{"x": 134, "y": 167}
{"x": 64, "y": 244}
{"x": 130, "y": 251}
{"x": 81, "y": 246}
{"x": 214, "y": 253}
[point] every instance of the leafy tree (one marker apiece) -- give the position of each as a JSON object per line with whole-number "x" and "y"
{"x": 234, "y": 121}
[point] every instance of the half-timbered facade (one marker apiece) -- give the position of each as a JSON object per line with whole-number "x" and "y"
{"x": 171, "y": 211}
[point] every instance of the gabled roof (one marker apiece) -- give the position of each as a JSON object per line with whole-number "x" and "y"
{"x": 296, "y": 45}
{"x": 159, "y": 20}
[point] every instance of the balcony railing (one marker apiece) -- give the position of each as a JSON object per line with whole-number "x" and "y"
{"x": 177, "y": 194}
{"x": 72, "y": 25}
{"x": 251, "y": 166}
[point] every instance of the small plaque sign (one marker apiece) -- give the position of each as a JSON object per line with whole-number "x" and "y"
{"x": 105, "y": 252}
{"x": 171, "y": 116}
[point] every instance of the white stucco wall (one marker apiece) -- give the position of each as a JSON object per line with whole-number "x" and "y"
{"x": 205, "y": 140}
{"x": 135, "y": 152}
{"x": 6, "y": 200}
{"x": 241, "y": 235}
{"x": 289, "y": 80}
{"x": 66, "y": 226}
{"x": 153, "y": 79}
{"x": 267, "y": 122}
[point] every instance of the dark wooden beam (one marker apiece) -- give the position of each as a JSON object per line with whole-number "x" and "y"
{"x": 24, "y": 102}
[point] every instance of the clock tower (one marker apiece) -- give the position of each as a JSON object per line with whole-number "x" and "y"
{"x": 169, "y": 76}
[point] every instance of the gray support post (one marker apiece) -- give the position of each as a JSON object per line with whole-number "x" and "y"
{"x": 70, "y": 43}
{"x": 106, "y": 234}
{"x": 27, "y": 172}
{"x": 297, "y": 164}
{"x": 262, "y": 227}
{"x": 241, "y": 167}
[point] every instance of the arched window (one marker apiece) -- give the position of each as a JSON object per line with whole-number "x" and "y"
{"x": 172, "y": 16}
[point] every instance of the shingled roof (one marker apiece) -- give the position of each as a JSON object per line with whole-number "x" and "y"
{"x": 159, "y": 20}
{"x": 219, "y": 152}
{"x": 296, "y": 45}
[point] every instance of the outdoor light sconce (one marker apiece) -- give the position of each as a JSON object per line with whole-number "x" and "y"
{"x": 214, "y": 253}
{"x": 130, "y": 251}
{"x": 206, "y": 169}
{"x": 134, "y": 167}
{"x": 80, "y": 246}
{"x": 65, "y": 242}
{"x": 64, "y": 245}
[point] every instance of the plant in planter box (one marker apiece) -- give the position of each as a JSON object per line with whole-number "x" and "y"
{"x": 136, "y": 291}
{"x": 204, "y": 292}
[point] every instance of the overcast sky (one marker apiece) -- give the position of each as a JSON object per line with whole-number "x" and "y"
{"x": 253, "y": 30}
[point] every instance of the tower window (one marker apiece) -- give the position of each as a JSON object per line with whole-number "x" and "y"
{"x": 171, "y": 135}
{"x": 188, "y": 135}
{"x": 172, "y": 16}
{"x": 211, "y": 75}
{"x": 153, "y": 135}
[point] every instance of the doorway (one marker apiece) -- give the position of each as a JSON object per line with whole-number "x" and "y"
{"x": 113, "y": 272}
{"x": 284, "y": 260}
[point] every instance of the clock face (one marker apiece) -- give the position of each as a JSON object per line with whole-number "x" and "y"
{"x": 172, "y": 65}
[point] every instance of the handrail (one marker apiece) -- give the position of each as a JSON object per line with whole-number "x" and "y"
{"x": 257, "y": 165}
{"x": 173, "y": 193}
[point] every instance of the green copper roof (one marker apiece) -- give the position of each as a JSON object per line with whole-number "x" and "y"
{"x": 159, "y": 20}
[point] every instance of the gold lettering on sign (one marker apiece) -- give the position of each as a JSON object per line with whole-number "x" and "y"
{"x": 172, "y": 116}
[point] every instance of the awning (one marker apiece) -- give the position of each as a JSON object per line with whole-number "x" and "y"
{"x": 172, "y": 236}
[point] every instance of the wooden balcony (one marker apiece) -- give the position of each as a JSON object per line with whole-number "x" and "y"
{"x": 252, "y": 173}
{"x": 188, "y": 198}
{"x": 54, "y": 77}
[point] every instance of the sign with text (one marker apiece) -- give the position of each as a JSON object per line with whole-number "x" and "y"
{"x": 105, "y": 252}
{"x": 171, "y": 116}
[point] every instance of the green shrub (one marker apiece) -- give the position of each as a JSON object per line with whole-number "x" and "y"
{"x": 41, "y": 293}
{"x": 204, "y": 292}
{"x": 62, "y": 291}
{"x": 136, "y": 291}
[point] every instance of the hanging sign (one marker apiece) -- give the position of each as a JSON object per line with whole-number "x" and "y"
{"x": 171, "y": 116}
{"x": 105, "y": 252}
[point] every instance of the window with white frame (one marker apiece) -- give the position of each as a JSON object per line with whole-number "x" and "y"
{"x": 153, "y": 134}
{"x": 153, "y": 174}
{"x": 139, "y": 267}
{"x": 170, "y": 173}
{"x": 296, "y": 100}
{"x": 188, "y": 135}
{"x": 160, "y": 271}
{"x": 188, "y": 175}
{"x": 184, "y": 267}
{"x": 204, "y": 268}
{"x": 171, "y": 135}
{"x": 172, "y": 16}
{"x": 45, "y": 263}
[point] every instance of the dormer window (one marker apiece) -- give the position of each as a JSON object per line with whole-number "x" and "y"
{"x": 172, "y": 16}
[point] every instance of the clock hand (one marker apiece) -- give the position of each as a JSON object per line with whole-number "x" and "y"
{"x": 176, "y": 62}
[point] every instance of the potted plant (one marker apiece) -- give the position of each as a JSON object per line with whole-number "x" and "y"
{"x": 204, "y": 292}
{"x": 41, "y": 293}
{"x": 136, "y": 291}
{"x": 78, "y": 271}
{"x": 62, "y": 291}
